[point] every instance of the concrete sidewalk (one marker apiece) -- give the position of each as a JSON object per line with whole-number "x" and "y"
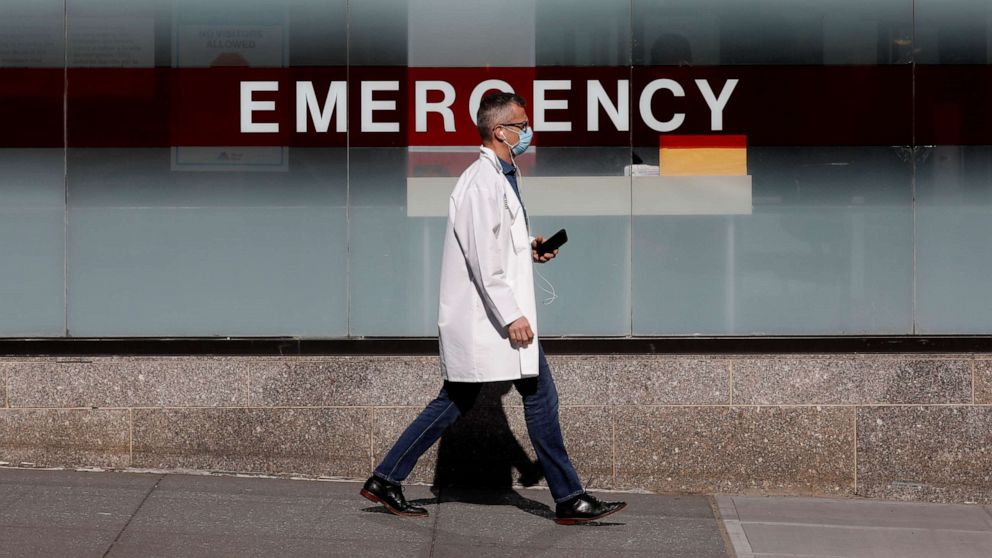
{"x": 827, "y": 527}
{"x": 91, "y": 514}
{"x": 55, "y": 513}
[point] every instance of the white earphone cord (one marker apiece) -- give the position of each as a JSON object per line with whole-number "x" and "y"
{"x": 554, "y": 295}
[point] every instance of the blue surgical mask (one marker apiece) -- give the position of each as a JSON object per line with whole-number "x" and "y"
{"x": 523, "y": 141}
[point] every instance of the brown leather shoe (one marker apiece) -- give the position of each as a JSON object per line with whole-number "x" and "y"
{"x": 391, "y": 496}
{"x": 585, "y": 508}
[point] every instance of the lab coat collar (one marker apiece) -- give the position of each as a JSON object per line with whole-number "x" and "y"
{"x": 486, "y": 153}
{"x": 509, "y": 196}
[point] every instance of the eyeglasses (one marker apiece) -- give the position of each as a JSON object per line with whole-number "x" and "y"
{"x": 522, "y": 126}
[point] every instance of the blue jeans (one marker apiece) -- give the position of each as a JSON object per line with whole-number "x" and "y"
{"x": 455, "y": 399}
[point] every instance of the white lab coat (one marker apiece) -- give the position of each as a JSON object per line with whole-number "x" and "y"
{"x": 487, "y": 279}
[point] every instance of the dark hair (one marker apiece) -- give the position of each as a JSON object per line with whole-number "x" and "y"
{"x": 493, "y": 109}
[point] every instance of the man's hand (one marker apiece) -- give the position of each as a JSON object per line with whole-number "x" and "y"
{"x": 533, "y": 253}
{"x": 520, "y": 331}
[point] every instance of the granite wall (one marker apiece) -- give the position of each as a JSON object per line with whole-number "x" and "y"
{"x": 885, "y": 426}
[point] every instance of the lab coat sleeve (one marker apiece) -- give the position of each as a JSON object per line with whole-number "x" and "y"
{"x": 476, "y": 225}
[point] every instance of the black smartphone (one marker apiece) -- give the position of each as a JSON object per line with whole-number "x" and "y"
{"x": 551, "y": 244}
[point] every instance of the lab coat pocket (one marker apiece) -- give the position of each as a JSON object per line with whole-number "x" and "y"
{"x": 518, "y": 233}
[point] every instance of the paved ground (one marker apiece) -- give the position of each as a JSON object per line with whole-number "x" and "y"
{"x": 824, "y": 527}
{"x": 82, "y": 514}
{"x": 46, "y": 513}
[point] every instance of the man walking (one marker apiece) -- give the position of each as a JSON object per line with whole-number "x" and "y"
{"x": 487, "y": 321}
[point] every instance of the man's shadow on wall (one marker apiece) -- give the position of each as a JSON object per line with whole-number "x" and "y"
{"x": 477, "y": 457}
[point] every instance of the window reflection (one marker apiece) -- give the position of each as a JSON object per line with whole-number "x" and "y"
{"x": 726, "y": 32}
{"x": 185, "y": 217}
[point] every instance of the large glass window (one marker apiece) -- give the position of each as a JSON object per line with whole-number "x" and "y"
{"x": 32, "y": 169}
{"x": 171, "y": 230}
{"x": 953, "y": 167}
{"x": 281, "y": 168}
{"x": 821, "y": 241}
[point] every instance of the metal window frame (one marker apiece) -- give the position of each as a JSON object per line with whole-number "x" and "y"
{"x": 275, "y": 346}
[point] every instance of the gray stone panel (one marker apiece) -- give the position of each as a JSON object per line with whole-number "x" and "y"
{"x": 329, "y": 442}
{"x": 623, "y": 418}
{"x": 345, "y": 381}
{"x": 388, "y": 424}
{"x": 486, "y": 447}
{"x": 669, "y": 380}
{"x": 588, "y": 434}
{"x": 582, "y": 379}
{"x": 850, "y": 381}
{"x": 938, "y": 454}
{"x": 412, "y": 381}
{"x": 983, "y": 382}
{"x": 640, "y": 380}
{"x": 620, "y": 380}
{"x": 65, "y": 438}
{"x": 805, "y": 450}
{"x": 490, "y": 445}
{"x": 129, "y": 382}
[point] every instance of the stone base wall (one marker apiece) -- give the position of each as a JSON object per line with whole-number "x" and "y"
{"x": 884, "y": 426}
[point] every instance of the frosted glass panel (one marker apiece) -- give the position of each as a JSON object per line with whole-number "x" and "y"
{"x": 953, "y": 31}
{"x": 377, "y": 34}
{"x": 32, "y": 242}
{"x": 953, "y": 228}
{"x": 396, "y": 240}
{"x": 591, "y": 275}
{"x": 807, "y": 32}
{"x": 160, "y": 252}
{"x": 954, "y": 181}
{"x": 827, "y": 249}
{"x": 487, "y": 33}
{"x": 169, "y": 213}
{"x": 582, "y": 33}
{"x": 32, "y": 169}
{"x": 32, "y": 34}
{"x": 395, "y": 258}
